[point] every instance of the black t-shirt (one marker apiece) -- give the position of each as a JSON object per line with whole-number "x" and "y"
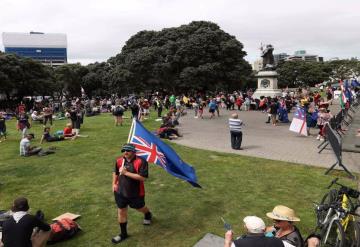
{"x": 19, "y": 234}
{"x": 258, "y": 240}
{"x": 2, "y": 123}
{"x": 129, "y": 187}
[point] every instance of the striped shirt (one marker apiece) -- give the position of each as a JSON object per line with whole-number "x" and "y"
{"x": 235, "y": 124}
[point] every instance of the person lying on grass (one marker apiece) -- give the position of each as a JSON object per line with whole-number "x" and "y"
{"x": 49, "y": 138}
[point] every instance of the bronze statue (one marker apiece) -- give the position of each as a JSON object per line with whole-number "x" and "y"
{"x": 268, "y": 57}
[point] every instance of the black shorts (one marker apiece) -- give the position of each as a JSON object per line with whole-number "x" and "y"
{"x": 212, "y": 110}
{"x": 133, "y": 202}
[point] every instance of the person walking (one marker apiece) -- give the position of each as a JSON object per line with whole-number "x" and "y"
{"x": 128, "y": 186}
{"x": 235, "y": 125}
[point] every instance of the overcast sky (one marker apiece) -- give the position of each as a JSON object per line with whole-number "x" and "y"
{"x": 97, "y": 30}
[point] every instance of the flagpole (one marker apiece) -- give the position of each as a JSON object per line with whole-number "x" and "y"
{"x": 131, "y": 130}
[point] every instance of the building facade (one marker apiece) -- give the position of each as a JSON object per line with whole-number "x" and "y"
{"x": 47, "y": 48}
{"x": 302, "y": 55}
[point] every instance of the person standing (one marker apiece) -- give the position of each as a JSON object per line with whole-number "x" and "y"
{"x": 48, "y": 115}
{"x": 128, "y": 186}
{"x": 235, "y": 125}
{"x": 23, "y": 124}
{"x": 2, "y": 127}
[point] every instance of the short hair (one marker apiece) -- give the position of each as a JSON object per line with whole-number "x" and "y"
{"x": 234, "y": 115}
{"x": 32, "y": 135}
{"x": 20, "y": 204}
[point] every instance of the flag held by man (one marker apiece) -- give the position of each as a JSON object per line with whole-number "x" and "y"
{"x": 298, "y": 123}
{"x": 151, "y": 148}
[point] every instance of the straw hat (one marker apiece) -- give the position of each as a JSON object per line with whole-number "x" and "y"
{"x": 284, "y": 213}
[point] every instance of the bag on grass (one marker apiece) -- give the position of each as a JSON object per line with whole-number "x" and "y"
{"x": 63, "y": 229}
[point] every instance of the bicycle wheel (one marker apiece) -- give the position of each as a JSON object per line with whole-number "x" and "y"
{"x": 352, "y": 234}
{"x": 328, "y": 198}
{"x": 335, "y": 237}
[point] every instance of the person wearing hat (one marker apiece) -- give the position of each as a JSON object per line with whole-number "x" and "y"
{"x": 284, "y": 227}
{"x": 18, "y": 230}
{"x": 128, "y": 186}
{"x": 255, "y": 237}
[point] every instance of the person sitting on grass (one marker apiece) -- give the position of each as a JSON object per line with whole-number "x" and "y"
{"x": 18, "y": 231}
{"x": 49, "y": 138}
{"x": 70, "y": 133}
{"x": 25, "y": 146}
{"x": 255, "y": 235}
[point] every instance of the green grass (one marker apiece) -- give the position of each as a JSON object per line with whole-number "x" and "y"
{"x": 78, "y": 177}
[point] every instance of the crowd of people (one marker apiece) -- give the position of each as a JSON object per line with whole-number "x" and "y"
{"x": 130, "y": 171}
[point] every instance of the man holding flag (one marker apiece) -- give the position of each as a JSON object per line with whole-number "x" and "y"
{"x": 128, "y": 186}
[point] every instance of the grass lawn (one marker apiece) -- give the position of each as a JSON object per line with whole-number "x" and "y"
{"x": 78, "y": 177}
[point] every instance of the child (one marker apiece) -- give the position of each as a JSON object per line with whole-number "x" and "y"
{"x": 2, "y": 127}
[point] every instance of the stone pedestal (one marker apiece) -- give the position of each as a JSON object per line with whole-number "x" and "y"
{"x": 267, "y": 84}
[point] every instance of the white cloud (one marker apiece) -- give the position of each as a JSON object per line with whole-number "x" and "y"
{"x": 97, "y": 29}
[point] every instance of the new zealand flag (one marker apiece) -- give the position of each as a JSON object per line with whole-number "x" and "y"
{"x": 152, "y": 149}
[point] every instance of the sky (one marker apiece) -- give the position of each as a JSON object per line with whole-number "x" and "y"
{"x": 97, "y": 30}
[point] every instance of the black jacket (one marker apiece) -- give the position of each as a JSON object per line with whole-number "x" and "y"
{"x": 258, "y": 240}
{"x": 19, "y": 234}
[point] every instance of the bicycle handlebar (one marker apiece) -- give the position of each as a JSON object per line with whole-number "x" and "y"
{"x": 344, "y": 189}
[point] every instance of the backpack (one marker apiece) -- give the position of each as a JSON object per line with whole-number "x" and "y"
{"x": 63, "y": 229}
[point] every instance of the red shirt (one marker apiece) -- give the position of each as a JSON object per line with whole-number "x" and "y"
{"x": 68, "y": 132}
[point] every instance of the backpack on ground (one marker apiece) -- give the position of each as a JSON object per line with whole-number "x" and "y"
{"x": 63, "y": 229}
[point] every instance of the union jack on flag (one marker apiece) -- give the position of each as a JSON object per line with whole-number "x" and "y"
{"x": 151, "y": 148}
{"x": 298, "y": 123}
{"x": 148, "y": 151}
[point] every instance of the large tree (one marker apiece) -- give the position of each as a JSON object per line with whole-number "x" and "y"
{"x": 301, "y": 73}
{"x": 198, "y": 56}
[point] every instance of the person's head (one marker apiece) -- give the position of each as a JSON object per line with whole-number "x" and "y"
{"x": 129, "y": 150}
{"x": 30, "y": 136}
{"x": 283, "y": 216}
{"x": 69, "y": 125}
{"x": 46, "y": 129}
{"x": 254, "y": 224}
{"x": 20, "y": 204}
{"x": 235, "y": 115}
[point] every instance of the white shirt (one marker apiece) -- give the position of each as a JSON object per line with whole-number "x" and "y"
{"x": 24, "y": 146}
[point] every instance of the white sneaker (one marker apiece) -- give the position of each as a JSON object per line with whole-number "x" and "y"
{"x": 196, "y": 117}
{"x": 318, "y": 137}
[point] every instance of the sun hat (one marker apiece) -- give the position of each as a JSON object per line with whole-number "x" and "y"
{"x": 128, "y": 147}
{"x": 20, "y": 204}
{"x": 284, "y": 213}
{"x": 254, "y": 224}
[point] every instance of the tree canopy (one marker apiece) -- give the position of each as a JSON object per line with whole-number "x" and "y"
{"x": 197, "y": 56}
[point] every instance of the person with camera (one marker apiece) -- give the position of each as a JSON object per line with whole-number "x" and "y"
{"x": 254, "y": 237}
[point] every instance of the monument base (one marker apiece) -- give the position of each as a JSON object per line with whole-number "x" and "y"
{"x": 267, "y": 84}
{"x": 267, "y": 93}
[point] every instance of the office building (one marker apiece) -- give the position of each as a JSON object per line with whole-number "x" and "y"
{"x": 47, "y": 48}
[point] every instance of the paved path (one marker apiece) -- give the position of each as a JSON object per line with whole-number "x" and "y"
{"x": 259, "y": 140}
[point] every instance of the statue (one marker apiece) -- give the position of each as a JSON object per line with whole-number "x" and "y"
{"x": 268, "y": 57}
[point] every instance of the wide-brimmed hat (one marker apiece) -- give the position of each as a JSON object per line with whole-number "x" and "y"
{"x": 284, "y": 213}
{"x": 128, "y": 147}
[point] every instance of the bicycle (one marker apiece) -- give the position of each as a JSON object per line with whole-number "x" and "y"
{"x": 335, "y": 217}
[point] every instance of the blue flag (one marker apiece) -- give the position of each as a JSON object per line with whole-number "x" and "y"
{"x": 355, "y": 83}
{"x": 348, "y": 93}
{"x": 152, "y": 149}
